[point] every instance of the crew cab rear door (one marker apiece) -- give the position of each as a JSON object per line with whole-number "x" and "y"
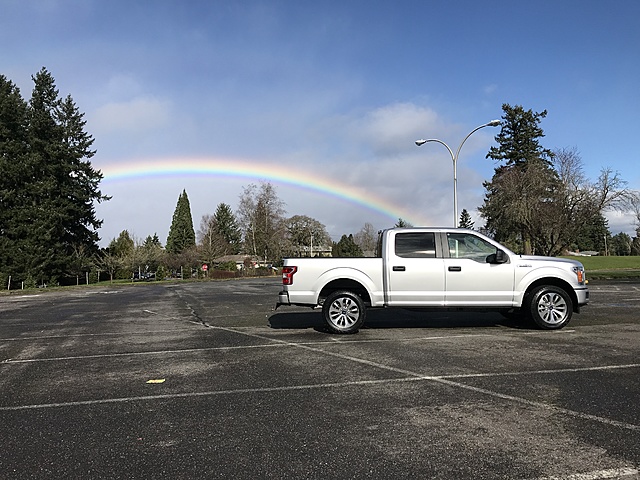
{"x": 415, "y": 273}
{"x": 469, "y": 279}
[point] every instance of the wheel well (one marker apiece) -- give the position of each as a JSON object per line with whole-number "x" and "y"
{"x": 345, "y": 284}
{"x": 556, "y": 282}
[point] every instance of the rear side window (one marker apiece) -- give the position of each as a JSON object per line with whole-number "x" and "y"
{"x": 416, "y": 245}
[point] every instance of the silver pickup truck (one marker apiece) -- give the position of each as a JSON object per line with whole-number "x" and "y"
{"x": 436, "y": 268}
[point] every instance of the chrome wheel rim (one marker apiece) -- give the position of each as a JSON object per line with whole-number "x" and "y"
{"x": 344, "y": 312}
{"x": 552, "y": 308}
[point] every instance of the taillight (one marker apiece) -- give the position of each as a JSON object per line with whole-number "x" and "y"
{"x": 287, "y": 275}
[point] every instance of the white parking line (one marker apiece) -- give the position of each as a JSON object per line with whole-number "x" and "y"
{"x": 80, "y": 335}
{"x": 213, "y": 393}
{"x": 541, "y": 405}
{"x": 133, "y": 354}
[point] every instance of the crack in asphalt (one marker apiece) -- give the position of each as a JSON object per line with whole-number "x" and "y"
{"x": 192, "y": 310}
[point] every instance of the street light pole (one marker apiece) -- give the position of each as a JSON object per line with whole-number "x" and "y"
{"x": 454, "y": 158}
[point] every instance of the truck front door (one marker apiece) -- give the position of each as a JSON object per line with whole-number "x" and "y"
{"x": 470, "y": 280}
{"x": 415, "y": 270}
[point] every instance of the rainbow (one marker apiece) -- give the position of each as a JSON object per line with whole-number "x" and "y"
{"x": 236, "y": 168}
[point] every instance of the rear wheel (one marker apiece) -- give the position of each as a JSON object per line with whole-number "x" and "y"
{"x": 550, "y": 307}
{"x": 343, "y": 312}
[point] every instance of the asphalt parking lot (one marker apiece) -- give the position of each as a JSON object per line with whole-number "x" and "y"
{"x": 205, "y": 380}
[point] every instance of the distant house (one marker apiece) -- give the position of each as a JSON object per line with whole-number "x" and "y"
{"x": 239, "y": 260}
{"x": 586, "y": 253}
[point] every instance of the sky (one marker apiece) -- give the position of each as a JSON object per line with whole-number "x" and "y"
{"x": 325, "y": 99}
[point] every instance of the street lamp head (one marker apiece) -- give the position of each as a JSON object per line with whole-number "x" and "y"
{"x": 420, "y": 142}
{"x": 494, "y": 123}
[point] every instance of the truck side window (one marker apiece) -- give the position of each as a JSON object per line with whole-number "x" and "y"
{"x": 465, "y": 245}
{"x": 415, "y": 245}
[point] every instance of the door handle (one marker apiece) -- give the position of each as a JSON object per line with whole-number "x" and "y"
{"x": 455, "y": 269}
{"x": 399, "y": 269}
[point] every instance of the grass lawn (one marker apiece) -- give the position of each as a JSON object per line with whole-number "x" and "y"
{"x": 610, "y": 267}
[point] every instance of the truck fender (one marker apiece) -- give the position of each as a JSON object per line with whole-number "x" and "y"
{"x": 349, "y": 274}
{"x": 544, "y": 276}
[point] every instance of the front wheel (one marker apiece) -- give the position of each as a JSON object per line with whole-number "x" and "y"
{"x": 550, "y": 307}
{"x": 343, "y": 312}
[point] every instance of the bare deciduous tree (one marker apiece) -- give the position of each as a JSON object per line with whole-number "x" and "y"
{"x": 547, "y": 207}
{"x": 109, "y": 263}
{"x": 261, "y": 218}
{"x": 211, "y": 244}
{"x": 634, "y": 205}
{"x": 366, "y": 239}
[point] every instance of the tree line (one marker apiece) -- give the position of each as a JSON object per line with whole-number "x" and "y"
{"x": 539, "y": 201}
{"x": 258, "y": 235}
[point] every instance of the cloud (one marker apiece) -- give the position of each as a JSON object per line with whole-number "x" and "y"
{"x": 621, "y": 222}
{"x": 122, "y": 86}
{"x": 490, "y": 89}
{"x": 375, "y": 150}
{"x": 391, "y": 129}
{"x": 139, "y": 115}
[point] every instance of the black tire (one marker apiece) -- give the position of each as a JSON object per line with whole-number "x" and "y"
{"x": 550, "y": 307}
{"x": 343, "y": 312}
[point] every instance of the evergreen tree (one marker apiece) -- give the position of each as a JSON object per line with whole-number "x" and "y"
{"x": 54, "y": 185}
{"x": 226, "y": 225}
{"x": 13, "y": 156}
{"x": 594, "y": 235}
{"x": 518, "y": 140}
{"x": 182, "y": 236}
{"x": 635, "y": 243}
{"x": 42, "y": 233}
{"x": 465, "y": 220}
{"x": 401, "y": 223}
{"x": 81, "y": 227}
{"x": 520, "y": 189}
{"x": 122, "y": 246}
{"x": 152, "y": 242}
{"x": 621, "y": 244}
{"x": 346, "y": 247}
{"x": 151, "y": 253}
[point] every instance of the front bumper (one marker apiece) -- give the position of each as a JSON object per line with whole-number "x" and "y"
{"x": 582, "y": 295}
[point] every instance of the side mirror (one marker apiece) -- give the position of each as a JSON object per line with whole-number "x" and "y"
{"x": 498, "y": 257}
